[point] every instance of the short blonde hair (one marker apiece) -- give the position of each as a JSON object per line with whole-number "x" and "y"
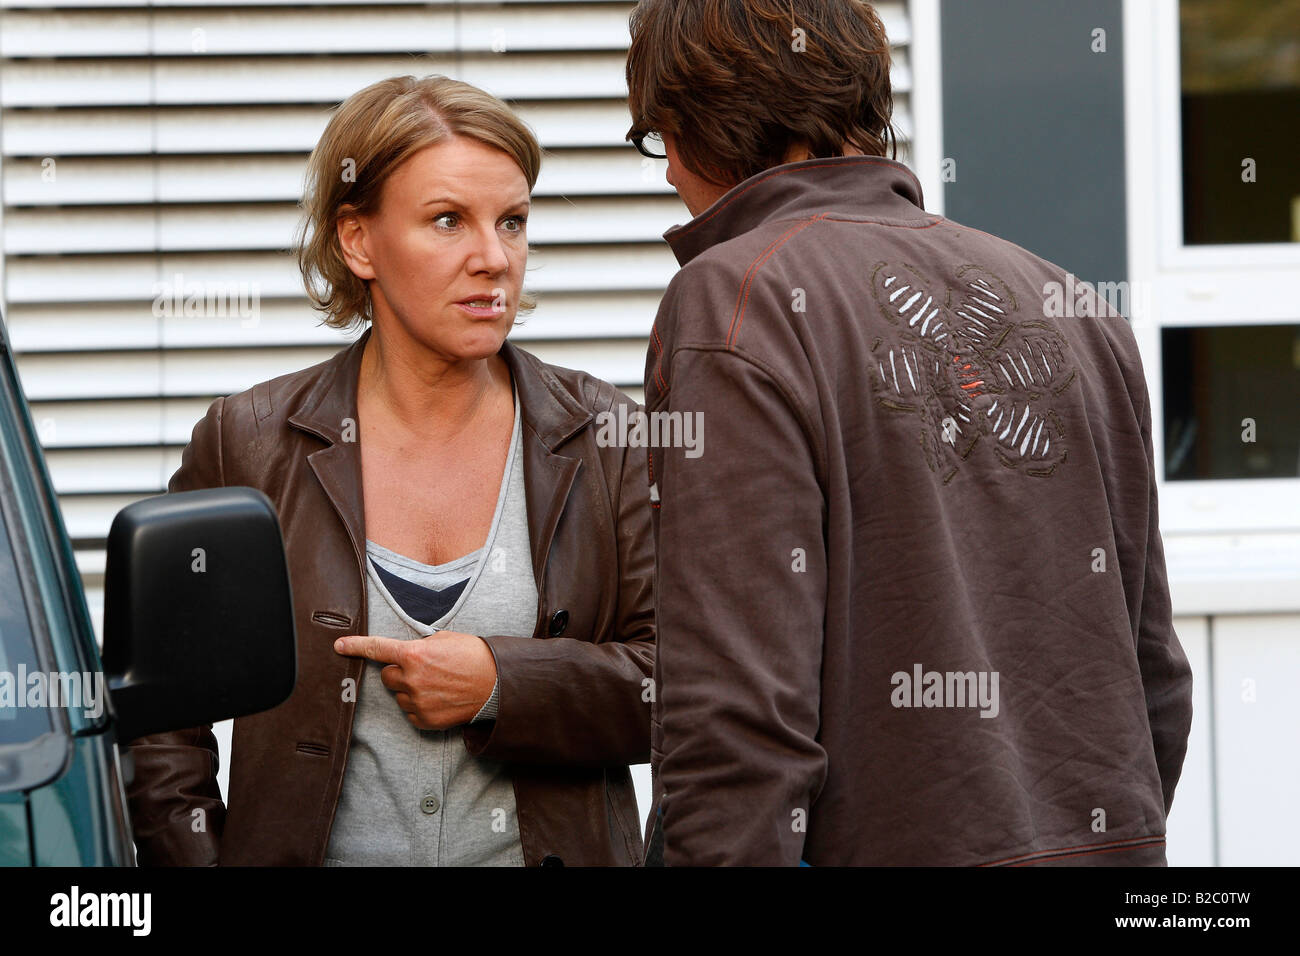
{"x": 373, "y": 132}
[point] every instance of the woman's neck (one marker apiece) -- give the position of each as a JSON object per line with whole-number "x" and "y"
{"x": 425, "y": 394}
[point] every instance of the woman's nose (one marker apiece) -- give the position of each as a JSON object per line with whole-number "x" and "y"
{"x": 490, "y": 254}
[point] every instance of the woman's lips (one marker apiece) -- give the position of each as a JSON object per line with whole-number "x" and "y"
{"x": 489, "y": 311}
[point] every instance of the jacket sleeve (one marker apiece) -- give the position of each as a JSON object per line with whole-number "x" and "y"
{"x": 176, "y": 772}
{"x": 571, "y": 701}
{"x": 741, "y": 596}
{"x": 1166, "y": 673}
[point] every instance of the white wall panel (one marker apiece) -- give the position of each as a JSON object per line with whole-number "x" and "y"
{"x": 1190, "y": 827}
{"x": 1257, "y": 738}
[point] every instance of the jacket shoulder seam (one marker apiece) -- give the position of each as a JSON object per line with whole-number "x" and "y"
{"x": 261, "y": 396}
{"x": 747, "y": 283}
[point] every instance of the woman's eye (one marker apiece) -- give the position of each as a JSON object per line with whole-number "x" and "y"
{"x": 446, "y": 220}
{"x": 515, "y": 223}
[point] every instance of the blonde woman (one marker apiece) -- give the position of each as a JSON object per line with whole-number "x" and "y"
{"x": 471, "y": 571}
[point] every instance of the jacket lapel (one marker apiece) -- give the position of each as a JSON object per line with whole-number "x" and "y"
{"x": 551, "y": 416}
{"x": 329, "y": 411}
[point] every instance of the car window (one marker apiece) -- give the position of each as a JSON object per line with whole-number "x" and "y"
{"x": 24, "y": 710}
{"x": 36, "y": 544}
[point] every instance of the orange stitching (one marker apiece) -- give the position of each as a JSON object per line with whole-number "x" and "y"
{"x": 735, "y": 309}
{"x": 938, "y": 221}
{"x": 738, "y": 319}
{"x": 1070, "y": 849}
{"x": 1131, "y": 843}
{"x": 1067, "y": 856}
{"x": 659, "y": 353}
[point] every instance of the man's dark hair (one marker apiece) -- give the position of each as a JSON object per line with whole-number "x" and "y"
{"x": 738, "y": 82}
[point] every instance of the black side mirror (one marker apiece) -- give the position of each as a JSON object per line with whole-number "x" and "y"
{"x": 198, "y": 616}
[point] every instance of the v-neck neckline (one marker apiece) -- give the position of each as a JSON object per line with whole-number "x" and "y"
{"x": 483, "y": 552}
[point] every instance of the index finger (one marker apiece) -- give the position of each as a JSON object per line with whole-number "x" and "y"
{"x": 386, "y": 650}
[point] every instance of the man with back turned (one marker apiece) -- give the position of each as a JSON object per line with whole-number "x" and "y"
{"x": 911, "y": 593}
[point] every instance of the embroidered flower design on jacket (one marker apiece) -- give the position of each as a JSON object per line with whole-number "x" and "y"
{"x": 971, "y": 373}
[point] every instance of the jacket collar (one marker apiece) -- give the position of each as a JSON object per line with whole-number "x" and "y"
{"x": 552, "y": 412}
{"x": 852, "y": 187}
{"x": 333, "y": 396}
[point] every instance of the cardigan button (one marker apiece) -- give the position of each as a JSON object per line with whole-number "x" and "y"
{"x": 551, "y": 860}
{"x": 559, "y": 621}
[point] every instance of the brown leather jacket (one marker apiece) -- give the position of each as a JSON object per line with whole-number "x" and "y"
{"x": 573, "y": 709}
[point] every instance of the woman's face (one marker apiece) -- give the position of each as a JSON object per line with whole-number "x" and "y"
{"x": 446, "y": 249}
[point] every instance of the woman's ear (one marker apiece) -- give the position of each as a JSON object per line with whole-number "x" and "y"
{"x": 352, "y": 234}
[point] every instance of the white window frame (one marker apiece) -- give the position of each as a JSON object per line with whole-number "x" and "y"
{"x": 1191, "y": 285}
{"x": 926, "y": 102}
